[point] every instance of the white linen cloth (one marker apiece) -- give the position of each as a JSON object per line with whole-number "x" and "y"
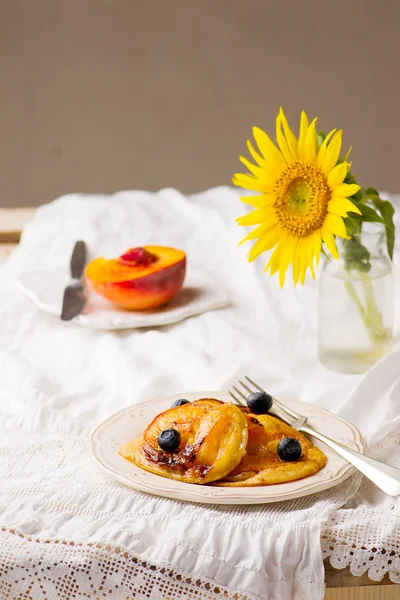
{"x": 68, "y": 531}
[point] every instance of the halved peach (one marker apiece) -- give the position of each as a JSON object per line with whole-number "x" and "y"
{"x": 141, "y": 278}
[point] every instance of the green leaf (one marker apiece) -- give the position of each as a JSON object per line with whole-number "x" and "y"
{"x": 356, "y": 256}
{"x": 370, "y": 191}
{"x": 353, "y": 225}
{"x": 367, "y": 214}
{"x": 350, "y": 178}
{"x": 358, "y": 196}
{"x": 387, "y": 211}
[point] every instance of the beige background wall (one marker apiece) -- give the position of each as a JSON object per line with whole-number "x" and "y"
{"x": 102, "y": 95}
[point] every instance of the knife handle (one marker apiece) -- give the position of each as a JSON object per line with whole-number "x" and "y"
{"x": 78, "y": 260}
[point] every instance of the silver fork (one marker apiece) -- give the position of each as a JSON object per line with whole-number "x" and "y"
{"x": 387, "y": 478}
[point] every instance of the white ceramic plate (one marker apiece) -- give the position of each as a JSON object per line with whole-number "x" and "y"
{"x": 130, "y": 423}
{"x": 199, "y": 294}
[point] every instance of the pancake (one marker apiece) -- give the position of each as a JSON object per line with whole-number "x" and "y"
{"x": 213, "y": 442}
{"x": 261, "y": 464}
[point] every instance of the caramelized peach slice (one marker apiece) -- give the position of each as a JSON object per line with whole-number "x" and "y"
{"x": 261, "y": 464}
{"x": 213, "y": 442}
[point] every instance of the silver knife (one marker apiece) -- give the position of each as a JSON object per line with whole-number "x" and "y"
{"x": 74, "y": 294}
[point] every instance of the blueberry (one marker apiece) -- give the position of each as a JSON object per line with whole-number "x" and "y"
{"x": 259, "y": 402}
{"x": 169, "y": 440}
{"x": 180, "y": 402}
{"x": 289, "y": 449}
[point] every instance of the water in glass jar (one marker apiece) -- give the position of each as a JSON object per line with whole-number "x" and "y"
{"x": 355, "y": 317}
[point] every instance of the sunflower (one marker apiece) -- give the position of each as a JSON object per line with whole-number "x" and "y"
{"x": 302, "y": 196}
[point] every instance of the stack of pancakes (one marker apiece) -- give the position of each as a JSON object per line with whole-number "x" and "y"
{"x": 223, "y": 444}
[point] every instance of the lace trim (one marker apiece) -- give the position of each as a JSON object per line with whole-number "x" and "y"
{"x": 67, "y": 570}
{"x": 364, "y": 538}
{"x": 343, "y": 541}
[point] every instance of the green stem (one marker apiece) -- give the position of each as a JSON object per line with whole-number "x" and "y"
{"x": 377, "y": 328}
{"x": 351, "y": 291}
{"x": 370, "y": 315}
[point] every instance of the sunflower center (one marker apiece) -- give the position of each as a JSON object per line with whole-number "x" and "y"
{"x": 302, "y": 195}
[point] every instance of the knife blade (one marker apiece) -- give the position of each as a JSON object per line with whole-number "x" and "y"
{"x": 74, "y": 299}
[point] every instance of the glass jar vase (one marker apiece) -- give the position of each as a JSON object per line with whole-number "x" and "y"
{"x": 356, "y": 302}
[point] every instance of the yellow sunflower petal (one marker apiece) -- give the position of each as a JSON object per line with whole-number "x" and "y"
{"x": 257, "y": 157}
{"x": 302, "y": 134}
{"x": 266, "y": 242}
{"x": 259, "y": 173}
{"x": 329, "y": 241}
{"x": 286, "y": 139}
{"x": 332, "y": 153}
{"x": 273, "y": 263}
{"x": 291, "y": 138}
{"x": 342, "y": 206}
{"x": 310, "y": 144}
{"x": 297, "y": 261}
{"x": 257, "y": 232}
{"x": 258, "y": 216}
{"x": 324, "y": 145}
{"x": 335, "y": 225}
{"x": 346, "y": 156}
{"x": 287, "y": 255}
{"x": 336, "y": 176}
{"x": 310, "y": 255}
{"x": 317, "y": 246}
{"x": 345, "y": 190}
{"x": 273, "y": 157}
{"x": 303, "y": 260}
{"x": 303, "y": 264}
{"x": 251, "y": 183}
{"x": 282, "y": 143}
{"x": 259, "y": 201}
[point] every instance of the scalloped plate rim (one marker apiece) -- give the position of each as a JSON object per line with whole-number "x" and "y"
{"x": 150, "y": 483}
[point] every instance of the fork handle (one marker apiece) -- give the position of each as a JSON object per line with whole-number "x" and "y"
{"x": 387, "y": 478}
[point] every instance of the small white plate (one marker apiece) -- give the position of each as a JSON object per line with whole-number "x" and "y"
{"x": 199, "y": 294}
{"x": 130, "y": 423}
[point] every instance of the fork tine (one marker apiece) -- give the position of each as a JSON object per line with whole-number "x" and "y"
{"x": 277, "y": 404}
{"x": 240, "y": 393}
{"x": 246, "y": 387}
{"x": 253, "y": 383}
{"x": 236, "y": 399}
{"x": 250, "y": 390}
